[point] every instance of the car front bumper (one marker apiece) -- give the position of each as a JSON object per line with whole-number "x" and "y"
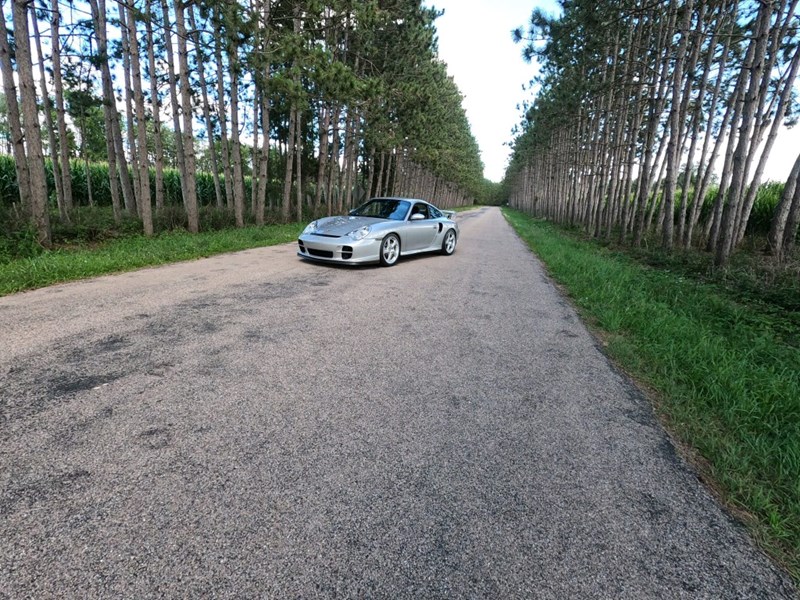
{"x": 340, "y": 250}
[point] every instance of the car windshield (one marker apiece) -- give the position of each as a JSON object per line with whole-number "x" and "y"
{"x": 383, "y": 208}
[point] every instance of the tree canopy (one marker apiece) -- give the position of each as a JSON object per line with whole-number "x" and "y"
{"x": 637, "y": 102}
{"x": 329, "y": 101}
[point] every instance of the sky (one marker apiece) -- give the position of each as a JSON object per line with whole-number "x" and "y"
{"x": 475, "y": 42}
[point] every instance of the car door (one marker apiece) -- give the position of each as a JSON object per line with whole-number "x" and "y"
{"x": 419, "y": 233}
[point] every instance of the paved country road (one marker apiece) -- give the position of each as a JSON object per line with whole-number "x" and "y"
{"x": 255, "y": 426}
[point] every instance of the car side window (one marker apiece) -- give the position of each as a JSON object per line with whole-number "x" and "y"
{"x": 398, "y": 211}
{"x": 435, "y": 214}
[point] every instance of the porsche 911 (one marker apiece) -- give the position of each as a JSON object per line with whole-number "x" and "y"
{"x": 380, "y": 231}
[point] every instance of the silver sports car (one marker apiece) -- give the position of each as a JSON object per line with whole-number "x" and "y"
{"x": 381, "y": 230}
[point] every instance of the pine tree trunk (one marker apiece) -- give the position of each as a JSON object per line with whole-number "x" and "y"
{"x": 790, "y": 232}
{"x": 740, "y": 158}
{"x": 351, "y": 161}
{"x": 381, "y": 168}
{"x": 89, "y": 191}
{"x": 190, "y": 183}
{"x": 371, "y": 171}
{"x": 212, "y": 149}
{"x": 109, "y": 110}
{"x": 652, "y": 201}
{"x": 333, "y": 162}
{"x": 346, "y": 185}
{"x": 156, "y": 104}
{"x": 656, "y": 106}
{"x": 263, "y": 179}
{"x": 683, "y": 226}
{"x": 58, "y": 90}
{"x": 256, "y": 160}
{"x": 677, "y": 119}
{"x": 713, "y": 226}
{"x": 705, "y": 166}
{"x": 391, "y": 170}
{"x": 399, "y": 173}
{"x": 345, "y": 172}
{"x": 14, "y": 123}
{"x": 235, "y": 146}
{"x": 618, "y": 114}
{"x": 133, "y": 206}
{"x": 325, "y": 123}
{"x": 628, "y": 202}
{"x": 761, "y": 120}
{"x": 780, "y": 217}
{"x": 687, "y": 122}
{"x": 298, "y": 148}
{"x": 222, "y": 113}
{"x": 30, "y": 123}
{"x": 287, "y": 179}
{"x": 144, "y": 201}
{"x": 777, "y": 121}
{"x": 122, "y": 163}
{"x": 173, "y": 98}
{"x": 263, "y": 175}
{"x": 113, "y": 130}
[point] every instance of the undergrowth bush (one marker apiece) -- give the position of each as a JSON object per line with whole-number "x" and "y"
{"x": 767, "y": 198}
{"x": 18, "y": 237}
{"x": 169, "y": 218}
{"x": 92, "y": 224}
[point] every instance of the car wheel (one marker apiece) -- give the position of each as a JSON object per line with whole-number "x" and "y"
{"x": 390, "y": 250}
{"x": 449, "y": 243}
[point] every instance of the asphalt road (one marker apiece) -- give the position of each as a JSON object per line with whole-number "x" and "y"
{"x": 256, "y": 426}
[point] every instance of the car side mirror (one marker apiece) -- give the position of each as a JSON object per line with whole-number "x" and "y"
{"x": 417, "y": 217}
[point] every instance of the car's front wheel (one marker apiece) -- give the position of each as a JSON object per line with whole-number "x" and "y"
{"x": 449, "y": 242}
{"x": 390, "y": 250}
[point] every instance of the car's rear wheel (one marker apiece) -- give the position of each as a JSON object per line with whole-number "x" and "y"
{"x": 390, "y": 250}
{"x": 449, "y": 242}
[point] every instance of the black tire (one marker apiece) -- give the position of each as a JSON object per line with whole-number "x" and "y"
{"x": 449, "y": 242}
{"x": 390, "y": 250}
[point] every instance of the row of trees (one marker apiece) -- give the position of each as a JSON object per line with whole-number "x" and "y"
{"x": 638, "y": 103}
{"x": 352, "y": 90}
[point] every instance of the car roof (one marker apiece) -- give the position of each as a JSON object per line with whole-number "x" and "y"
{"x": 398, "y": 198}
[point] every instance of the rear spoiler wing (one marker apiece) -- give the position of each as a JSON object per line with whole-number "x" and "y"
{"x": 449, "y": 214}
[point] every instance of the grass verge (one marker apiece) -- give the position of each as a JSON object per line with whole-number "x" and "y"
{"x": 725, "y": 373}
{"x": 128, "y": 253}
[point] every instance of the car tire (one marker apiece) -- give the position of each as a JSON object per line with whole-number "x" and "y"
{"x": 390, "y": 250}
{"x": 449, "y": 242}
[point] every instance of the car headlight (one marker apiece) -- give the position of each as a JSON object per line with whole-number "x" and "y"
{"x": 311, "y": 227}
{"x": 359, "y": 234}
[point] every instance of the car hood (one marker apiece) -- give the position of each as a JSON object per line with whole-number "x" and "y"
{"x": 340, "y": 226}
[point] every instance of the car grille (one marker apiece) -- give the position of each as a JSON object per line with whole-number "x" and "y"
{"x": 320, "y": 253}
{"x": 328, "y": 235}
{"x": 347, "y": 252}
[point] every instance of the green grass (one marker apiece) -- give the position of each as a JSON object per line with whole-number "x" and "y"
{"x": 724, "y": 371}
{"x": 134, "y": 252}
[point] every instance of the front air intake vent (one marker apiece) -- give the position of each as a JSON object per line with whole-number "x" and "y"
{"x": 320, "y": 253}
